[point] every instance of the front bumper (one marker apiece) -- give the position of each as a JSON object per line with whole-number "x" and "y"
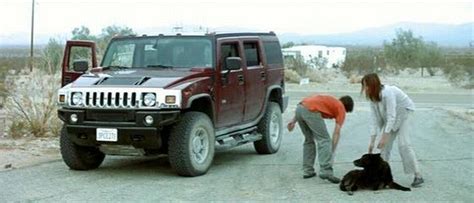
{"x": 130, "y": 125}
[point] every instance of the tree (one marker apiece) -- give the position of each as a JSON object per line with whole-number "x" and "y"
{"x": 361, "y": 61}
{"x": 288, "y": 45}
{"x": 109, "y": 32}
{"x": 102, "y": 40}
{"x": 82, "y": 33}
{"x": 406, "y": 50}
{"x": 430, "y": 57}
{"x": 52, "y": 56}
{"x": 403, "y": 51}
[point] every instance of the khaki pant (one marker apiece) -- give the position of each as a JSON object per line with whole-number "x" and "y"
{"x": 313, "y": 127}
{"x": 410, "y": 163}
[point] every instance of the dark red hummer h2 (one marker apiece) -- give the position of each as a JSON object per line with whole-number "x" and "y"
{"x": 180, "y": 95}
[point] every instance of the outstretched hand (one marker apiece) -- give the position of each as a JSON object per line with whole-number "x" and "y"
{"x": 291, "y": 125}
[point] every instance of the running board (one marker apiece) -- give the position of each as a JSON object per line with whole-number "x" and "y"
{"x": 238, "y": 138}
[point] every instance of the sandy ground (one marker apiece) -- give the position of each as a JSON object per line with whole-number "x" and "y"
{"x": 19, "y": 153}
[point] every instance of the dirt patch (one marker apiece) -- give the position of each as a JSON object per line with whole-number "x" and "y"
{"x": 18, "y": 153}
{"x": 463, "y": 114}
{"x": 407, "y": 81}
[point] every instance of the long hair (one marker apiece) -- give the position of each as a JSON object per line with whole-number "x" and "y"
{"x": 374, "y": 86}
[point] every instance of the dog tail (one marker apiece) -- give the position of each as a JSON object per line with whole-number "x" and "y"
{"x": 396, "y": 186}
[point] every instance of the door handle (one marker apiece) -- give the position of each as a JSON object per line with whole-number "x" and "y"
{"x": 263, "y": 75}
{"x": 241, "y": 79}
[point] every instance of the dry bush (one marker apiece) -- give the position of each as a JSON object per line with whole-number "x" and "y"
{"x": 322, "y": 75}
{"x": 31, "y": 104}
{"x": 355, "y": 79}
{"x": 292, "y": 76}
{"x": 460, "y": 75}
{"x": 316, "y": 76}
{"x": 3, "y": 93}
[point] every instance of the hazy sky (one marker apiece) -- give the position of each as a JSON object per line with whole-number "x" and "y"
{"x": 299, "y": 16}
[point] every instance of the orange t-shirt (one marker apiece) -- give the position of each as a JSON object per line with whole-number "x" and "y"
{"x": 329, "y": 107}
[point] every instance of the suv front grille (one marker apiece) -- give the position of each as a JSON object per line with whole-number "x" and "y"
{"x": 111, "y": 99}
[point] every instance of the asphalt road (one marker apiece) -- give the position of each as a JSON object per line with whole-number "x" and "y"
{"x": 443, "y": 144}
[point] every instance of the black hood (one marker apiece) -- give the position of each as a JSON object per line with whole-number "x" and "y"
{"x": 131, "y": 77}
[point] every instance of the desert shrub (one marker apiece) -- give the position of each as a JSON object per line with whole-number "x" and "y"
{"x": 297, "y": 64}
{"x": 319, "y": 76}
{"x": 31, "y": 104}
{"x": 17, "y": 129}
{"x": 459, "y": 70}
{"x": 459, "y": 75}
{"x": 360, "y": 61}
{"x": 355, "y": 79}
{"x": 318, "y": 62}
{"x": 51, "y": 56}
{"x": 292, "y": 76}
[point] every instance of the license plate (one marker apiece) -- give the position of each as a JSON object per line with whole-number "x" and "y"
{"x": 107, "y": 134}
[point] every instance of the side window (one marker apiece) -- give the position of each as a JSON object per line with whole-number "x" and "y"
{"x": 80, "y": 53}
{"x": 229, "y": 50}
{"x": 251, "y": 53}
{"x": 273, "y": 52}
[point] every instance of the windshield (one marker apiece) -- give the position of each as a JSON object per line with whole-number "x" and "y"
{"x": 159, "y": 52}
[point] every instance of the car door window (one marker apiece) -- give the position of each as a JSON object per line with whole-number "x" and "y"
{"x": 228, "y": 50}
{"x": 251, "y": 53}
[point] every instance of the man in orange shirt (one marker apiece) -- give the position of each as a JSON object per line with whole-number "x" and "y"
{"x": 309, "y": 114}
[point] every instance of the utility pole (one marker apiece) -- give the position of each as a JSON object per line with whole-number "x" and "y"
{"x": 32, "y": 30}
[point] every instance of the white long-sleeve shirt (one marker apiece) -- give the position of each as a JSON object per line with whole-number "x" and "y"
{"x": 389, "y": 113}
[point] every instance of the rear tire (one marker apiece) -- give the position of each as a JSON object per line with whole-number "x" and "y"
{"x": 271, "y": 128}
{"x": 191, "y": 144}
{"x": 79, "y": 157}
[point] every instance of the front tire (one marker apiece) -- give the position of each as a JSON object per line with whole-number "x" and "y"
{"x": 191, "y": 144}
{"x": 271, "y": 128}
{"x": 79, "y": 157}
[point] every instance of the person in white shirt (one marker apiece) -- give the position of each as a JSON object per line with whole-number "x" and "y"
{"x": 391, "y": 111}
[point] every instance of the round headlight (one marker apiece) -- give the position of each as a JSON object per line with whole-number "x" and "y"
{"x": 149, "y": 99}
{"x": 77, "y": 98}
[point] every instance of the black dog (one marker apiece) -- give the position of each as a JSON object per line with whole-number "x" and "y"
{"x": 376, "y": 174}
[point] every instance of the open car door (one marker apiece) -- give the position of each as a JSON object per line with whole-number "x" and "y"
{"x": 77, "y": 52}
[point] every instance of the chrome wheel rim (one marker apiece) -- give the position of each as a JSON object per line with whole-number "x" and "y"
{"x": 274, "y": 129}
{"x": 200, "y": 146}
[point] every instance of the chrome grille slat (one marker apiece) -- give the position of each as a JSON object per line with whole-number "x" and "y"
{"x": 97, "y": 99}
{"x": 105, "y": 100}
{"x": 121, "y": 104}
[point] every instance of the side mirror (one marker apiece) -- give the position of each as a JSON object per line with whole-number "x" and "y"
{"x": 80, "y": 65}
{"x": 233, "y": 63}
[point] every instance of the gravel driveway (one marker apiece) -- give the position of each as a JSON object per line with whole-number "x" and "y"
{"x": 443, "y": 143}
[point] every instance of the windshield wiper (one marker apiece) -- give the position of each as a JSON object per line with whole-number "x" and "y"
{"x": 116, "y": 67}
{"x": 160, "y": 66}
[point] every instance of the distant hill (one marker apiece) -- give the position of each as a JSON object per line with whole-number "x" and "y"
{"x": 443, "y": 34}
